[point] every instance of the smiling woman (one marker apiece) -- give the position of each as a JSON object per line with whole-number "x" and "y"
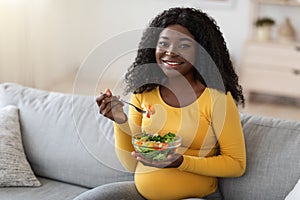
{"x": 183, "y": 70}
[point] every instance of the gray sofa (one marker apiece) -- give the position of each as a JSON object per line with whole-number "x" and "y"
{"x": 70, "y": 148}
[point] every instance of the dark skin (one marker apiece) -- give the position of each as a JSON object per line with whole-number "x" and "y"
{"x": 111, "y": 107}
{"x": 174, "y": 54}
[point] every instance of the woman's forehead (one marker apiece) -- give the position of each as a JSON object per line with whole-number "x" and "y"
{"x": 177, "y": 31}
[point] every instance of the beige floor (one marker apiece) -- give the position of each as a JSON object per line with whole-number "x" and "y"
{"x": 274, "y": 106}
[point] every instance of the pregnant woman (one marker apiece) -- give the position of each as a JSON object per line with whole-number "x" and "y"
{"x": 183, "y": 72}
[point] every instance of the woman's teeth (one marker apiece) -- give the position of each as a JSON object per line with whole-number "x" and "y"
{"x": 172, "y": 62}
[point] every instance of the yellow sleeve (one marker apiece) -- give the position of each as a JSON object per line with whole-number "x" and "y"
{"x": 227, "y": 127}
{"x": 123, "y": 134}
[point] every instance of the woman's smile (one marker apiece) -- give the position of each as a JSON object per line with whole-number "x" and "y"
{"x": 171, "y": 63}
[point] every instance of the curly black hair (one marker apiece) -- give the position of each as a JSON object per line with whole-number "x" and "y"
{"x": 144, "y": 74}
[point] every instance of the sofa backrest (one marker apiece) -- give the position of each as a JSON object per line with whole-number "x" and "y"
{"x": 273, "y": 160}
{"x": 64, "y": 137}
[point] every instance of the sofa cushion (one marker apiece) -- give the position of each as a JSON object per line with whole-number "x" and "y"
{"x": 51, "y": 190}
{"x": 273, "y": 164}
{"x": 14, "y": 167}
{"x": 64, "y": 136}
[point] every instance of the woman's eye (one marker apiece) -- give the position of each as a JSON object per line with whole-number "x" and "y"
{"x": 183, "y": 46}
{"x": 163, "y": 44}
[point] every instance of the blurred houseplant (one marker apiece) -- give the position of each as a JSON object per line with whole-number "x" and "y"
{"x": 264, "y": 28}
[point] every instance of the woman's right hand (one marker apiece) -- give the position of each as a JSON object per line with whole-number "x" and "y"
{"x": 111, "y": 107}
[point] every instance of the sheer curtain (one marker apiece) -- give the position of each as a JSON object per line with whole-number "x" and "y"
{"x": 40, "y": 43}
{"x": 15, "y": 50}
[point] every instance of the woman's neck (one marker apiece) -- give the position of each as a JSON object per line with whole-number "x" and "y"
{"x": 181, "y": 92}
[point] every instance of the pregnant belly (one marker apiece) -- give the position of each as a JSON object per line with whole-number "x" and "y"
{"x": 171, "y": 183}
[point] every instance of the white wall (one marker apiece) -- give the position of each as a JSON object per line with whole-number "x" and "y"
{"x": 46, "y": 41}
{"x": 232, "y": 18}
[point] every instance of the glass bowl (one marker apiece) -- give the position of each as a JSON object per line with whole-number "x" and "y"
{"x": 154, "y": 146}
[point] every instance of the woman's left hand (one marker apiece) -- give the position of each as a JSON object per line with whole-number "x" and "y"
{"x": 172, "y": 161}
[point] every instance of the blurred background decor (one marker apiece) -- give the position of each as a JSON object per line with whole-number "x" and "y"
{"x": 264, "y": 27}
{"x": 286, "y": 31}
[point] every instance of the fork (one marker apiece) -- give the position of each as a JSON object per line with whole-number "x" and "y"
{"x": 136, "y": 108}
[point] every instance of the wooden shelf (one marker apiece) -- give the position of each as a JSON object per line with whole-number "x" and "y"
{"x": 295, "y": 44}
{"x": 258, "y": 5}
{"x": 279, "y": 2}
{"x": 270, "y": 67}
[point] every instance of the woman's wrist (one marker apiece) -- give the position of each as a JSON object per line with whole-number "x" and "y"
{"x": 122, "y": 120}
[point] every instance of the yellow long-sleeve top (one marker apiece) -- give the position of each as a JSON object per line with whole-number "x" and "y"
{"x": 212, "y": 144}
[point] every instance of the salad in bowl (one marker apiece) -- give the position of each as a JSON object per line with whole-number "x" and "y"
{"x": 154, "y": 146}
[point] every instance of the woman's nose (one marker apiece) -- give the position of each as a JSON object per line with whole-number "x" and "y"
{"x": 170, "y": 53}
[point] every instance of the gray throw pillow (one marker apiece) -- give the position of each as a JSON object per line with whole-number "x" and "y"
{"x": 14, "y": 167}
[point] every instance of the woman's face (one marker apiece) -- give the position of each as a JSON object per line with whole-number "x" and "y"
{"x": 176, "y": 50}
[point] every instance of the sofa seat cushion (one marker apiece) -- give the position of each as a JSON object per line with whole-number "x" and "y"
{"x": 273, "y": 163}
{"x": 50, "y": 190}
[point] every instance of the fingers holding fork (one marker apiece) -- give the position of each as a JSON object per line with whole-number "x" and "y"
{"x": 111, "y": 107}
